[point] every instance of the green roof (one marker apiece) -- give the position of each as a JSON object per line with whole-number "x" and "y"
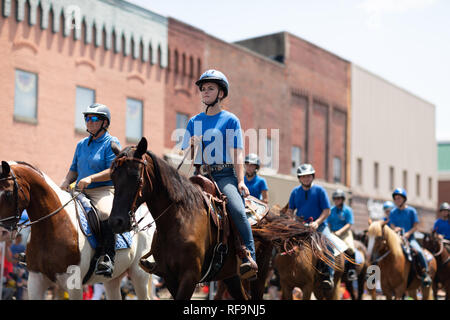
{"x": 444, "y": 156}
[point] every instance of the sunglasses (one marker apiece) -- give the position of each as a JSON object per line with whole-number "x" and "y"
{"x": 92, "y": 118}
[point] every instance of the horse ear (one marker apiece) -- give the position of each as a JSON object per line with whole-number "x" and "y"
{"x": 115, "y": 148}
{"x": 141, "y": 148}
{"x": 5, "y": 169}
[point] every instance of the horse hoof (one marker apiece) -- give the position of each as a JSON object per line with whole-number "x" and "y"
{"x": 147, "y": 266}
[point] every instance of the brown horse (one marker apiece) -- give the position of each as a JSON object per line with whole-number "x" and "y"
{"x": 57, "y": 250}
{"x": 361, "y": 271}
{"x": 437, "y": 246}
{"x": 186, "y": 235}
{"x": 385, "y": 246}
{"x": 299, "y": 249}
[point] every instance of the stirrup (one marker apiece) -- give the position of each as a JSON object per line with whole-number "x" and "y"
{"x": 104, "y": 266}
{"x": 327, "y": 283}
{"x": 248, "y": 271}
{"x": 147, "y": 266}
{"x": 426, "y": 280}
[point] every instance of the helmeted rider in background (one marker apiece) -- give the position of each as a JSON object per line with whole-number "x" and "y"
{"x": 442, "y": 224}
{"x": 310, "y": 201}
{"x": 222, "y": 155}
{"x": 404, "y": 219}
{"x": 340, "y": 222}
{"x": 256, "y": 185}
{"x": 90, "y": 169}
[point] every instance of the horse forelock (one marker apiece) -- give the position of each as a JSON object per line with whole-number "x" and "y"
{"x": 380, "y": 229}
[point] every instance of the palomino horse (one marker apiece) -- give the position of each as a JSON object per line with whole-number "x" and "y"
{"x": 186, "y": 236}
{"x": 385, "y": 245}
{"x": 437, "y": 246}
{"x": 57, "y": 248}
{"x": 299, "y": 249}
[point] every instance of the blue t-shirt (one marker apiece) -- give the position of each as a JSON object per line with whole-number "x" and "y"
{"x": 94, "y": 158}
{"x": 256, "y": 186}
{"x": 309, "y": 203}
{"x": 338, "y": 218}
{"x": 442, "y": 227}
{"x": 403, "y": 218}
{"x": 220, "y": 132}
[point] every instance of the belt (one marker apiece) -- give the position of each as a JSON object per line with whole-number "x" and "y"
{"x": 215, "y": 167}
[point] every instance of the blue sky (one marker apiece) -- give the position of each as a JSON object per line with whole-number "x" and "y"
{"x": 406, "y": 42}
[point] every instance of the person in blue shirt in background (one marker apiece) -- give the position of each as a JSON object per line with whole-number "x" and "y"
{"x": 310, "y": 202}
{"x": 218, "y": 135}
{"x": 90, "y": 169}
{"x": 257, "y": 186}
{"x": 404, "y": 219}
{"x": 442, "y": 224}
{"x": 340, "y": 222}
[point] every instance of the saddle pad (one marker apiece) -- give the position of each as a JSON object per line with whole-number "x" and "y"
{"x": 359, "y": 257}
{"x": 339, "y": 245}
{"x": 123, "y": 241}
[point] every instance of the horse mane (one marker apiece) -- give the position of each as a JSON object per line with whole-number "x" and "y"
{"x": 176, "y": 185}
{"x": 31, "y": 166}
{"x": 286, "y": 234}
{"x": 392, "y": 238}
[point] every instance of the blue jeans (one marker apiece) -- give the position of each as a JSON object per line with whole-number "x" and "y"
{"x": 227, "y": 182}
{"x": 415, "y": 245}
{"x": 326, "y": 232}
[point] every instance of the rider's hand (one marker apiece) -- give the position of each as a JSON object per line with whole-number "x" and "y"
{"x": 83, "y": 183}
{"x": 65, "y": 186}
{"x": 243, "y": 190}
{"x": 314, "y": 225}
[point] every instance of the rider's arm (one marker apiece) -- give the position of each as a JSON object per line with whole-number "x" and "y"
{"x": 265, "y": 196}
{"x": 343, "y": 229}
{"x": 104, "y": 175}
{"x": 71, "y": 176}
{"x": 412, "y": 230}
{"x": 323, "y": 216}
{"x": 239, "y": 169}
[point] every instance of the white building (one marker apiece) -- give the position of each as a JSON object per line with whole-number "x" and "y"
{"x": 393, "y": 144}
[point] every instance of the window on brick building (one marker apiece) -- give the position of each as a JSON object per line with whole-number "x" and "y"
{"x": 430, "y": 188}
{"x": 296, "y": 159}
{"x": 133, "y": 130}
{"x": 25, "y": 96}
{"x": 84, "y": 98}
{"x": 405, "y": 179}
{"x": 337, "y": 170}
{"x": 268, "y": 163}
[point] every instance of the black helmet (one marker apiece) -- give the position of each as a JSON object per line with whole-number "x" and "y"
{"x": 444, "y": 206}
{"x": 305, "y": 169}
{"x": 252, "y": 158}
{"x": 216, "y": 77}
{"x": 338, "y": 194}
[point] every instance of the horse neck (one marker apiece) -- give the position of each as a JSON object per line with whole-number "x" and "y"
{"x": 393, "y": 241}
{"x": 43, "y": 200}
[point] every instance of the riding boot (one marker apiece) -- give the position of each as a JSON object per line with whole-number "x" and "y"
{"x": 105, "y": 263}
{"x": 327, "y": 274}
{"x": 426, "y": 279}
{"x": 248, "y": 269}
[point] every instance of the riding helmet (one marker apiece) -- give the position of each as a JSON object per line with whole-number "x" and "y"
{"x": 444, "y": 206}
{"x": 338, "y": 194}
{"x": 252, "y": 158}
{"x": 305, "y": 169}
{"x": 215, "y": 76}
{"x": 99, "y": 109}
{"x": 401, "y": 192}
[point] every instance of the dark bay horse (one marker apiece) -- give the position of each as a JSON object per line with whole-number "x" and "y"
{"x": 57, "y": 250}
{"x": 185, "y": 235}
{"x": 438, "y": 247}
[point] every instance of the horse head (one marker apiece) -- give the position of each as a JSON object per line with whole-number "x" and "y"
{"x": 432, "y": 243}
{"x": 12, "y": 198}
{"x": 377, "y": 241}
{"x": 129, "y": 175}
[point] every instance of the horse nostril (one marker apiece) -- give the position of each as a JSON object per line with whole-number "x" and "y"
{"x": 115, "y": 223}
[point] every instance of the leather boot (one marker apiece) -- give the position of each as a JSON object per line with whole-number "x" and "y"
{"x": 105, "y": 263}
{"x": 248, "y": 270}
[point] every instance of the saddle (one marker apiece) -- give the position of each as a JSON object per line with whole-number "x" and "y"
{"x": 215, "y": 202}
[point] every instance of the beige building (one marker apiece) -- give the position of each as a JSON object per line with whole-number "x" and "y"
{"x": 393, "y": 144}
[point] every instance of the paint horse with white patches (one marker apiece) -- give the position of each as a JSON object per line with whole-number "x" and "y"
{"x": 56, "y": 242}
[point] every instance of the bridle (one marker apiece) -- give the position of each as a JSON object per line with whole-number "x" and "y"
{"x": 18, "y": 212}
{"x": 16, "y": 226}
{"x": 384, "y": 243}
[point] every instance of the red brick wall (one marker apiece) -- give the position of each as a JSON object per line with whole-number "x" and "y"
{"x": 61, "y": 64}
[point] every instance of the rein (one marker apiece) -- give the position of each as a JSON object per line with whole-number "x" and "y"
{"x": 19, "y": 227}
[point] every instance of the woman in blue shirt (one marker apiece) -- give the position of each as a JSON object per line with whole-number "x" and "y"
{"x": 256, "y": 185}
{"x": 218, "y": 135}
{"x": 90, "y": 169}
